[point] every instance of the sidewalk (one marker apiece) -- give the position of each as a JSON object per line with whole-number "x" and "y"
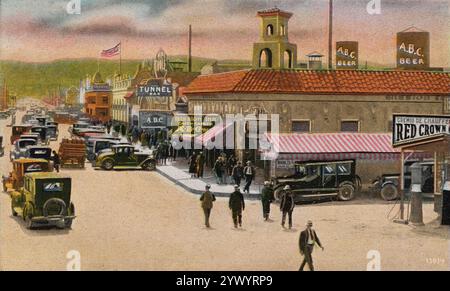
{"x": 178, "y": 172}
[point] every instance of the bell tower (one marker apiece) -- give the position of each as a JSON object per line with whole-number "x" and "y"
{"x": 274, "y": 50}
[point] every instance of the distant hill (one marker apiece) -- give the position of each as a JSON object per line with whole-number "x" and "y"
{"x": 38, "y": 79}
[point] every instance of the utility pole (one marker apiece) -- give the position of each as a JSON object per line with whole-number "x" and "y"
{"x": 190, "y": 49}
{"x": 330, "y": 35}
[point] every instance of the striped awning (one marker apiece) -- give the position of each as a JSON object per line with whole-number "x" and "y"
{"x": 213, "y": 133}
{"x": 333, "y": 146}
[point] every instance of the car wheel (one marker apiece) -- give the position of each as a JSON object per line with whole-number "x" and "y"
{"x": 346, "y": 192}
{"x": 389, "y": 192}
{"x": 14, "y": 213}
{"x": 108, "y": 165}
{"x": 278, "y": 193}
{"x": 5, "y": 189}
{"x": 27, "y": 216}
{"x": 149, "y": 166}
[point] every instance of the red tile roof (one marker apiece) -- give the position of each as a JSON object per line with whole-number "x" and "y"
{"x": 323, "y": 82}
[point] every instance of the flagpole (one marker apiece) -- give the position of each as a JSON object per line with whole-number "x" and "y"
{"x": 120, "y": 60}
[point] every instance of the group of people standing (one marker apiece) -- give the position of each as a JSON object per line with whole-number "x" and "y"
{"x": 231, "y": 167}
{"x": 196, "y": 164}
{"x": 236, "y": 203}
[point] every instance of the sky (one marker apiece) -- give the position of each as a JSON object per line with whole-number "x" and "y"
{"x": 42, "y": 30}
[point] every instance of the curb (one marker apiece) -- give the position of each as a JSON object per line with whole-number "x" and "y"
{"x": 200, "y": 192}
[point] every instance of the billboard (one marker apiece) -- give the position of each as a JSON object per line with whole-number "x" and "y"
{"x": 408, "y": 129}
{"x": 153, "y": 119}
{"x": 156, "y": 88}
{"x": 413, "y": 50}
{"x": 347, "y": 55}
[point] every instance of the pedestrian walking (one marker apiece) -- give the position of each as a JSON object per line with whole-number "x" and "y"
{"x": 231, "y": 162}
{"x": 218, "y": 170}
{"x": 200, "y": 164}
{"x": 238, "y": 173}
{"x": 192, "y": 164}
{"x": 287, "y": 205}
{"x": 207, "y": 200}
{"x": 249, "y": 172}
{"x": 266, "y": 199}
{"x": 56, "y": 161}
{"x": 236, "y": 205}
{"x": 308, "y": 239}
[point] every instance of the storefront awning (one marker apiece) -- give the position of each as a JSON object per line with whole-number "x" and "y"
{"x": 334, "y": 146}
{"x": 212, "y": 133}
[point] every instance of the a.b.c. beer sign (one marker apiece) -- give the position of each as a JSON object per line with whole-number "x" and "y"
{"x": 152, "y": 119}
{"x": 413, "y": 49}
{"x": 408, "y": 129}
{"x": 347, "y": 55}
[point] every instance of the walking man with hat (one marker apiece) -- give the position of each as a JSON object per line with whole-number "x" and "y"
{"x": 237, "y": 205}
{"x": 266, "y": 199}
{"x": 308, "y": 238}
{"x": 207, "y": 200}
{"x": 287, "y": 205}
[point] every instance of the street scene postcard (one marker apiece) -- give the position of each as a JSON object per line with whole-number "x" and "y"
{"x": 215, "y": 136}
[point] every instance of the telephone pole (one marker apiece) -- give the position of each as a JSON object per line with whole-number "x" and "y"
{"x": 330, "y": 35}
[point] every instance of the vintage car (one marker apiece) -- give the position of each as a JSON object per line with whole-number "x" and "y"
{"x": 43, "y": 119}
{"x": 32, "y": 135}
{"x": 27, "y": 117}
{"x": 19, "y": 149}
{"x": 2, "y": 148}
{"x": 77, "y": 126}
{"x": 39, "y": 152}
{"x": 125, "y": 157}
{"x": 95, "y": 146}
{"x": 313, "y": 181}
{"x": 22, "y": 167}
{"x": 44, "y": 200}
{"x": 42, "y": 131}
{"x": 4, "y": 114}
{"x": 52, "y": 132}
{"x": 387, "y": 185}
{"x": 18, "y": 130}
{"x": 90, "y": 131}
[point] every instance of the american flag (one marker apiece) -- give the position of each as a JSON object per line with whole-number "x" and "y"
{"x": 111, "y": 52}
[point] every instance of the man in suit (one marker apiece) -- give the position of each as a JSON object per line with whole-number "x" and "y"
{"x": 308, "y": 238}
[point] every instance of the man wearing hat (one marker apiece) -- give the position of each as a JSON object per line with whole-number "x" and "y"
{"x": 287, "y": 205}
{"x": 237, "y": 205}
{"x": 266, "y": 199}
{"x": 308, "y": 238}
{"x": 207, "y": 200}
{"x": 249, "y": 173}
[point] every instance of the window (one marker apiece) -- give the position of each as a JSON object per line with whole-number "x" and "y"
{"x": 350, "y": 126}
{"x": 270, "y": 29}
{"x": 53, "y": 187}
{"x": 301, "y": 126}
{"x": 282, "y": 30}
{"x": 105, "y": 99}
{"x": 344, "y": 169}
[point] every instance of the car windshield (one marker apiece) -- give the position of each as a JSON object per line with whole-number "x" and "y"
{"x": 25, "y": 143}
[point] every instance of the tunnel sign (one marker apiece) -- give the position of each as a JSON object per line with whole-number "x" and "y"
{"x": 408, "y": 129}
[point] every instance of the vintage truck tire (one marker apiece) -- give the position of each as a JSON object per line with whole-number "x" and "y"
{"x": 5, "y": 189}
{"x": 346, "y": 192}
{"x": 149, "y": 166}
{"x": 108, "y": 165}
{"x": 12, "y": 210}
{"x": 389, "y": 192}
{"x": 70, "y": 212}
{"x": 27, "y": 215}
{"x": 52, "y": 202}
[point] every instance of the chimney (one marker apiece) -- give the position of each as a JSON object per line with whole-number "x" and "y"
{"x": 190, "y": 49}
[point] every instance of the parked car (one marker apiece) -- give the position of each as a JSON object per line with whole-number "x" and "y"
{"x": 18, "y": 130}
{"x": 42, "y": 130}
{"x": 32, "y": 135}
{"x": 126, "y": 157}
{"x": 52, "y": 132}
{"x": 387, "y": 185}
{"x": 313, "y": 181}
{"x": 4, "y": 114}
{"x": 45, "y": 200}
{"x": 21, "y": 167}
{"x": 19, "y": 149}
{"x": 77, "y": 126}
{"x": 27, "y": 117}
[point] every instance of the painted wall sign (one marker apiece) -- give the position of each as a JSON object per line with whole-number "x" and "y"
{"x": 154, "y": 88}
{"x": 413, "y": 50}
{"x": 412, "y": 128}
{"x": 347, "y": 55}
{"x": 152, "y": 119}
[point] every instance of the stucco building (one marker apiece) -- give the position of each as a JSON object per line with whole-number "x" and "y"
{"x": 98, "y": 99}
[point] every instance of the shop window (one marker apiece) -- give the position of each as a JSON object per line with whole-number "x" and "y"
{"x": 301, "y": 126}
{"x": 350, "y": 126}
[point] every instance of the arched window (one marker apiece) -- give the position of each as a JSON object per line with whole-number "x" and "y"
{"x": 269, "y": 30}
{"x": 282, "y": 30}
{"x": 287, "y": 59}
{"x": 265, "y": 58}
